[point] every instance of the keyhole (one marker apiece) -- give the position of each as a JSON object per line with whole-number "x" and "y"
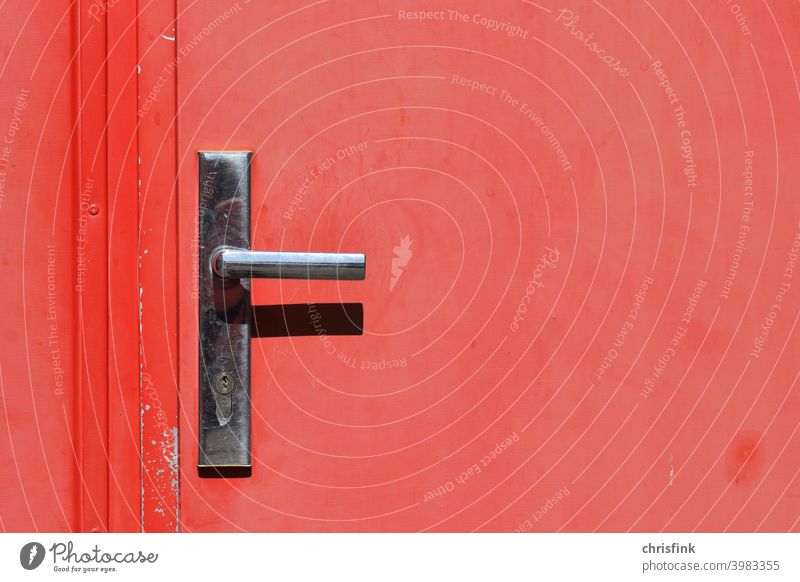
{"x": 224, "y": 383}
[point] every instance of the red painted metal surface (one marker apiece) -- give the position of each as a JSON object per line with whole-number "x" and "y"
{"x": 91, "y": 226}
{"x": 124, "y": 420}
{"x": 520, "y": 189}
{"x": 38, "y": 210}
{"x": 157, "y": 268}
{"x": 71, "y": 360}
{"x": 581, "y": 300}
{"x": 60, "y": 411}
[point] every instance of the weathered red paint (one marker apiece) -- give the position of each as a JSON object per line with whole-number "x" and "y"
{"x": 157, "y": 269}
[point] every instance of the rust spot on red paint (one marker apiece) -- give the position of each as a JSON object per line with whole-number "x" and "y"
{"x": 743, "y": 460}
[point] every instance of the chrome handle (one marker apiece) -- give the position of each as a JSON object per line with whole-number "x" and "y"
{"x": 236, "y": 263}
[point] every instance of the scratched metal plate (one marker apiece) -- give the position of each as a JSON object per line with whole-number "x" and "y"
{"x": 224, "y": 313}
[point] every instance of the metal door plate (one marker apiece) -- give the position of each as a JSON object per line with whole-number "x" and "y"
{"x": 224, "y": 313}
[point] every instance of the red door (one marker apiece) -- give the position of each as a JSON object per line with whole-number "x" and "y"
{"x": 559, "y": 321}
{"x": 581, "y": 230}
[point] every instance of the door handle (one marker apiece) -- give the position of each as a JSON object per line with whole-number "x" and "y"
{"x": 225, "y": 263}
{"x": 242, "y": 263}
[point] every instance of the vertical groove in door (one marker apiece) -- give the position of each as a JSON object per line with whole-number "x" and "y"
{"x": 123, "y": 354}
{"x": 91, "y": 275}
{"x": 157, "y": 69}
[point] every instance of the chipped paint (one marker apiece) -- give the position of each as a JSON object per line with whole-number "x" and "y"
{"x": 160, "y": 468}
{"x": 159, "y": 457}
{"x": 158, "y": 388}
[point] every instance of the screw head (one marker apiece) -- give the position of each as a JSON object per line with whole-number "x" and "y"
{"x": 94, "y": 209}
{"x": 224, "y": 383}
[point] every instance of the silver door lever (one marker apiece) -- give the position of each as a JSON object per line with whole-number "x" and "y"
{"x": 236, "y": 263}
